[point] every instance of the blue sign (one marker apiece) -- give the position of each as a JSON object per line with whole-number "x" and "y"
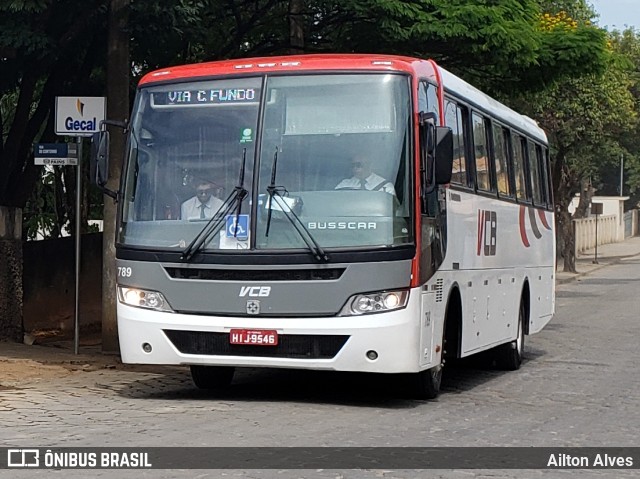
{"x": 239, "y": 229}
{"x": 55, "y": 150}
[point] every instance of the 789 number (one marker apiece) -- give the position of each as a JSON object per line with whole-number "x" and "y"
{"x": 124, "y": 271}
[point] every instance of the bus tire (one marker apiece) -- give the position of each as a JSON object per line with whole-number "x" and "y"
{"x": 212, "y": 377}
{"x": 510, "y": 355}
{"x": 426, "y": 384}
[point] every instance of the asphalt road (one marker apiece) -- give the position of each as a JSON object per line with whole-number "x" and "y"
{"x": 579, "y": 386}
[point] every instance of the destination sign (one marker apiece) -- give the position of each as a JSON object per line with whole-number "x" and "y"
{"x": 207, "y": 96}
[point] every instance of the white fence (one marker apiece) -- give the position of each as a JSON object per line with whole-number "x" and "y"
{"x": 585, "y": 228}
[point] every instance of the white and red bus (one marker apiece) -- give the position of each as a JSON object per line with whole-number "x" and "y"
{"x": 364, "y": 213}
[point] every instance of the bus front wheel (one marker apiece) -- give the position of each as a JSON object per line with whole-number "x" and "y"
{"x": 211, "y": 377}
{"x": 426, "y": 384}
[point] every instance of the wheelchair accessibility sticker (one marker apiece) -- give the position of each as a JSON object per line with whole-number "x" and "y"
{"x": 236, "y": 235}
{"x": 238, "y": 226}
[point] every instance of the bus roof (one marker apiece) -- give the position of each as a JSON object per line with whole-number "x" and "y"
{"x": 291, "y": 63}
{"x": 352, "y": 62}
{"x": 470, "y": 94}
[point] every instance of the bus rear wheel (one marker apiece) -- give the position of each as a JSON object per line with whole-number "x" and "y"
{"x": 212, "y": 377}
{"x": 510, "y": 355}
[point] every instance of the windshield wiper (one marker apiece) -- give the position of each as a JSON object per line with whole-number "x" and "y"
{"x": 275, "y": 193}
{"x": 234, "y": 200}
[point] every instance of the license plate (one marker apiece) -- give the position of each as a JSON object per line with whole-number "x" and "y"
{"x": 254, "y": 337}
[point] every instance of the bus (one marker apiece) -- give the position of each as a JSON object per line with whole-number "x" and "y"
{"x": 299, "y": 262}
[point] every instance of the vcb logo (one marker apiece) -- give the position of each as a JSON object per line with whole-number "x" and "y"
{"x": 487, "y": 232}
{"x": 23, "y": 458}
{"x": 255, "y": 291}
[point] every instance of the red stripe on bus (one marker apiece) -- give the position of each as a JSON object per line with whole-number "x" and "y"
{"x": 523, "y": 232}
{"x": 543, "y": 219}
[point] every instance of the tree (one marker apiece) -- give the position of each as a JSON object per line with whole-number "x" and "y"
{"x": 627, "y": 45}
{"x": 45, "y": 52}
{"x": 584, "y": 117}
{"x": 118, "y": 79}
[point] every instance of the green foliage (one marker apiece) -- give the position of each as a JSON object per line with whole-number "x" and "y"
{"x": 499, "y": 45}
{"x": 40, "y": 211}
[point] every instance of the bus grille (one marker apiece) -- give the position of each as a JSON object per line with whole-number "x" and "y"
{"x": 298, "y": 346}
{"x": 329, "y": 274}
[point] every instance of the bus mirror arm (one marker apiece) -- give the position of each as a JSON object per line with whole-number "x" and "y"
{"x": 427, "y": 150}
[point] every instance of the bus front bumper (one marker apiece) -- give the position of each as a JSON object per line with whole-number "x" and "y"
{"x": 334, "y": 343}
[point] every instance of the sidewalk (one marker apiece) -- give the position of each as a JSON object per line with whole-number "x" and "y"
{"x": 607, "y": 254}
{"x": 22, "y": 363}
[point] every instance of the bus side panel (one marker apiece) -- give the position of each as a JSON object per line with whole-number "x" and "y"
{"x": 493, "y": 249}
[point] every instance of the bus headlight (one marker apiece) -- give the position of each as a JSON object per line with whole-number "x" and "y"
{"x": 142, "y": 298}
{"x": 381, "y": 302}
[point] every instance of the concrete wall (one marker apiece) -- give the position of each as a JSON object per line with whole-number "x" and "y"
{"x": 49, "y": 283}
{"x": 611, "y": 206}
{"x": 608, "y": 231}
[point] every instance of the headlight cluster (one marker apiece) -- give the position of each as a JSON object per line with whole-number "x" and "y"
{"x": 142, "y": 298}
{"x": 381, "y": 302}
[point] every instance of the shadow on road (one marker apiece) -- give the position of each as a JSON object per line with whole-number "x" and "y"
{"x": 326, "y": 387}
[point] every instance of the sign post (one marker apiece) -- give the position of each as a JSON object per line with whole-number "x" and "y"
{"x": 79, "y": 117}
{"x": 596, "y": 209}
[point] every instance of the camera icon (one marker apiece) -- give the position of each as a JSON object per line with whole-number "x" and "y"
{"x": 23, "y": 458}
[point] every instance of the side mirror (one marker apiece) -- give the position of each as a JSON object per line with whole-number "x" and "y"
{"x": 444, "y": 155}
{"x": 99, "y": 162}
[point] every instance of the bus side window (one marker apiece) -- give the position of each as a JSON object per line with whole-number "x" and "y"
{"x": 500, "y": 158}
{"x": 548, "y": 176}
{"x": 481, "y": 155}
{"x": 535, "y": 173}
{"x": 517, "y": 145}
{"x": 454, "y": 119}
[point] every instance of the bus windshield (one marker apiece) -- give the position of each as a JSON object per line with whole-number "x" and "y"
{"x": 325, "y": 155}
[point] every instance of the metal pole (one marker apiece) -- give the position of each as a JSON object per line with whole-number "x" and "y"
{"x": 595, "y": 261}
{"x": 76, "y": 327}
{"x": 621, "y": 174}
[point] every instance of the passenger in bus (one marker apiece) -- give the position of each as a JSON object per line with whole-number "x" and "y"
{"x": 364, "y": 178}
{"x": 203, "y": 205}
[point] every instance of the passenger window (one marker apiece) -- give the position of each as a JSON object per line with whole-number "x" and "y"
{"x": 454, "y": 120}
{"x": 500, "y": 149}
{"x": 518, "y": 168}
{"x": 481, "y": 155}
{"x": 534, "y": 172}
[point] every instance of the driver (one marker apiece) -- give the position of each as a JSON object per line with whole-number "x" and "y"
{"x": 364, "y": 178}
{"x": 203, "y": 205}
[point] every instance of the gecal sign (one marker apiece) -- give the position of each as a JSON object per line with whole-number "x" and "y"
{"x": 79, "y": 115}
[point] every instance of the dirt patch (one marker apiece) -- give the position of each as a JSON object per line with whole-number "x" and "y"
{"x": 15, "y": 372}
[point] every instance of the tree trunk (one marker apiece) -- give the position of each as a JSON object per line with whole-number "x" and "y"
{"x": 118, "y": 73}
{"x": 11, "y": 274}
{"x": 568, "y": 241}
{"x": 296, "y": 27}
{"x": 586, "y": 193}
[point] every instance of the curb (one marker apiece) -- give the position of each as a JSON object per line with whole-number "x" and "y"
{"x": 610, "y": 261}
